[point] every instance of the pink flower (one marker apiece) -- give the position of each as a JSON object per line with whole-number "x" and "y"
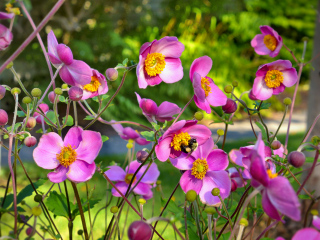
{"x": 129, "y": 133}
{"x": 160, "y": 61}
{"x": 5, "y": 37}
{"x": 239, "y": 177}
{"x": 97, "y": 86}
{"x": 273, "y": 78}
{"x": 72, "y": 158}
{"x": 269, "y": 42}
{"x": 123, "y": 179}
{"x": 73, "y": 71}
{"x": 206, "y": 92}
{"x": 4, "y": 15}
{"x": 204, "y": 170}
{"x": 178, "y": 136}
{"x": 45, "y": 109}
{"x": 153, "y": 113}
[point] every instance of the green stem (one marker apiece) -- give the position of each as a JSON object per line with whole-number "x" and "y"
{"x": 70, "y": 224}
{"x": 196, "y": 213}
{"x": 284, "y": 116}
{"x": 225, "y": 135}
{"x": 20, "y": 83}
{"x": 75, "y": 113}
{"x": 265, "y": 126}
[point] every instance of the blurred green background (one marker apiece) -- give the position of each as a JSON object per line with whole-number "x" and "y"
{"x": 104, "y": 33}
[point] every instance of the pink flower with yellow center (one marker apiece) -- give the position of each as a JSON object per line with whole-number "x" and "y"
{"x": 97, "y": 86}
{"x": 72, "y": 158}
{"x": 206, "y": 92}
{"x": 269, "y": 42}
{"x": 160, "y": 61}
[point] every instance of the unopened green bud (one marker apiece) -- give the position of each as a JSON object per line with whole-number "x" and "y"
{"x": 244, "y": 222}
{"x": 235, "y": 83}
{"x": 36, "y": 92}
{"x": 80, "y": 232}
{"x": 23, "y": 202}
{"x": 58, "y": 91}
{"x": 38, "y": 198}
{"x": 26, "y": 100}
{"x": 305, "y": 39}
{"x": 9, "y": 65}
{"x": 191, "y": 195}
{"x": 114, "y": 209}
{"x": 142, "y": 201}
{"x": 314, "y": 212}
{"x": 198, "y": 115}
{"x": 158, "y": 182}
{"x": 228, "y": 89}
{"x": 15, "y": 91}
{"x": 36, "y": 211}
{"x": 220, "y": 132}
{"x": 215, "y": 192}
{"x": 287, "y": 101}
{"x": 210, "y": 210}
{"x": 64, "y": 86}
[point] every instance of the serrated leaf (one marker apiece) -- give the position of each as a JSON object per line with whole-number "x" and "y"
{"x": 28, "y": 190}
{"x": 21, "y": 114}
{"x": 51, "y": 116}
{"x": 149, "y": 136}
{"x": 155, "y": 126}
{"x": 88, "y": 118}
{"x": 15, "y": 127}
{"x": 62, "y": 98}
{"x": 69, "y": 120}
{"x": 104, "y": 138}
{"x": 263, "y": 131}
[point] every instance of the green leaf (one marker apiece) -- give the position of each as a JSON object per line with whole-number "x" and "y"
{"x": 84, "y": 204}
{"x": 263, "y": 131}
{"x": 104, "y": 138}
{"x": 62, "y": 98}
{"x": 51, "y": 116}
{"x": 304, "y": 196}
{"x": 28, "y": 190}
{"x": 88, "y": 118}
{"x": 69, "y": 120}
{"x": 15, "y": 127}
{"x": 172, "y": 207}
{"x": 39, "y": 130}
{"x": 124, "y": 63}
{"x": 102, "y": 97}
{"x": 21, "y": 114}
{"x": 156, "y": 126}
{"x": 149, "y": 136}
{"x": 8, "y": 201}
{"x": 58, "y": 205}
{"x": 165, "y": 125}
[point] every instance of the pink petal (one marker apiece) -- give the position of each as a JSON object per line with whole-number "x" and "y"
{"x": 306, "y": 234}
{"x": 173, "y": 71}
{"x": 316, "y": 222}
{"x": 205, "y": 106}
{"x": 59, "y": 175}
{"x": 73, "y": 137}
{"x": 175, "y": 128}
{"x": 80, "y": 171}
{"x": 148, "y": 106}
{"x": 163, "y": 149}
{"x": 259, "y": 46}
{"x": 142, "y": 189}
{"x": 152, "y": 81}
{"x": 218, "y": 160}
{"x": 145, "y": 47}
{"x": 52, "y": 48}
{"x": 279, "y": 89}
{"x": 201, "y": 65}
{"x": 290, "y": 77}
{"x": 204, "y": 150}
{"x": 258, "y": 170}
{"x": 89, "y": 147}
{"x": 183, "y": 162}
{"x": 76, "y": 73}
{"x": 267, "y": 206}
{"x": 151, "y": 175}
{"x": 117, "y": 127}
{"x": 122, "y": 187}
{"x": 45, "y": 153}
{"x": 200, "y": 132}
{"x": 236, "y": 157}
{"x": 197, "y": 87}
{"x": 115, "y": 173}
{"x": 189, "y": 182}
{"x": 216, "y": 97}
{"x": 166, "y": 110}
{"x": 142, "y": 82}
{"x": 260, "y": 90}
{"x": 168, "y": 46}
{"x": 141, "y": 141}
{"x": 4, "y": 15}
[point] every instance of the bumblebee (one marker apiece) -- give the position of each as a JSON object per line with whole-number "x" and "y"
{"x": 192, "y": 145}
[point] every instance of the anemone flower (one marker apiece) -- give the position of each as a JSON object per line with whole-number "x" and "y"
{"x": 272, "y": 78}
{"x": 206, "y": 92}
{"x": 5, "y": 37}
{"x": 97, "y": 86}
{"x": 4, "y": 15}
{"x": 123, "y": 179}
{"x": 72, "y": 72}
{"x": 159, "y": 61}
{"x": 269, "y": 42}
{"x": 204, "y": 170}
{"x": 72, "y": 158}
{"x": 180, "y": 135}
{"x": 238, "y": 177}
{"x": 45, "y": 109}
{"x": 129, "y": 133}
{"x": 153, "y": 113}
{"x": 307, "y": 233}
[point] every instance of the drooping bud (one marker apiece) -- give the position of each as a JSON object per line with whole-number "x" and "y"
{"x": 31, "y": 123}
{"x": 191, "y": 195}
{"x": 30, "y": 141}
{"x": 3, "y": 117}
{"x": 51, "y": 96}
{"x": 26, "y": 100}
{"x": 228, "y": 89}
{"x": 65, "y": 54}
{"x": 2, "y": 91}
{"x": 75, "y": 93}
{"x": 275, "y": 145}
{"x": 296, "y": 159}
{"x": 139, "y": 230}
{"x": 230, "y": 106}
{"x": 36, "y": 92}
{"x": 234, "y": 185}
{"x": 5, "y": 37}
{"x": 251, "y": 96}
{"x": 141, "y": 156}
{"x": 198, "y": 116}
{"x": 111, "y": 74}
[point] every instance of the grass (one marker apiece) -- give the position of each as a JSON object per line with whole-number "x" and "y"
{"x": 169, "y": 177}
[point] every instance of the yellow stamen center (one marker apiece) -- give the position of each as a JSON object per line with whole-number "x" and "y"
{"x": 67, "y": 156}
{"x": 273, "y": 78}
{"x": 154, "y": 64}
{"x": 270, "y": 42}
{"x": 199, "y": 168}
{"x": 93, "y": 86}
{"x": 205, "y": 86}
{"x": 272, "y": 175}
{"x": 180, "y": 139}
{"x": 128, "y": 178}
{"x": 11, "y": 9}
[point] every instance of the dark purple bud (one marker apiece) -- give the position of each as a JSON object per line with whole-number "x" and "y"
{"x": 251, "y": 96}
{"x": 3, "y": 117}
{"x": 2, "y": 91}
{"x": 234, "y": 185}
{"x": 141, "y": 156}
{"x": 30, "y": 141}
{"x": 75, "y": 93}
{"x": 230, "y": 106}
{"x": 31, "y": 123}
{"x": 112, "y": 74}
{"x": 29, "y": 231}
{"x": 275, "y": 145}
{"x": 65, "y": 54}
{"x": 296, "y": 159}
{"x": 139, "y": 230}
{"x": 51, "y": 96}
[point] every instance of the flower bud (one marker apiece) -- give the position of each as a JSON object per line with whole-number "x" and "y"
{"x": 26, "y": 100}
{"x": 191, "y": 195}
{"x": 64, "y": 86}
{"x": 29, "y": 231}
{"x": 36, "y": 211}
{"x": 3, "y": 117}
{"x": 198, "y": 115}
{"x": 220, "y": 132}
{"x": 111, "y": 74}
{"x": 296, "y": 159}
{"x": 2, "y": 91}
{"x": 139, "y": 230}
{"x": 158, "y": 182}
{"x": 275, "y": 145}
{"x": 80, "y": 232}
{"x": 65, "y": 54}
{"x": 38, "y": 198}
{"x": 36, "y": 92}
{"x": 75, "y": 93}
{"x": 30, "y": 141}
{"x": 15, "y": 91}
{"x": 58, "y": 91}
{"x": 210, "y": 210}
{"x": 252, "y": 96}
{"x": 142, "y": 201}
{"x": 51, "y": 96}
{"x": 244, "y": 222}
{"x": 234, "y": 185}
{"x": 287, "y": 101}
{"x": 235, "y": 83}
{"x": 230, "y": 106}
{"x": 141, "y": 156}
{"x": 215, "y": 192}
{"x": 305, "y": 39}
{"x": 228, "y": 89}
{"x": 314, "y": 212}
{"x": 5, "y": 37}
{"x": 114, "y": 209}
